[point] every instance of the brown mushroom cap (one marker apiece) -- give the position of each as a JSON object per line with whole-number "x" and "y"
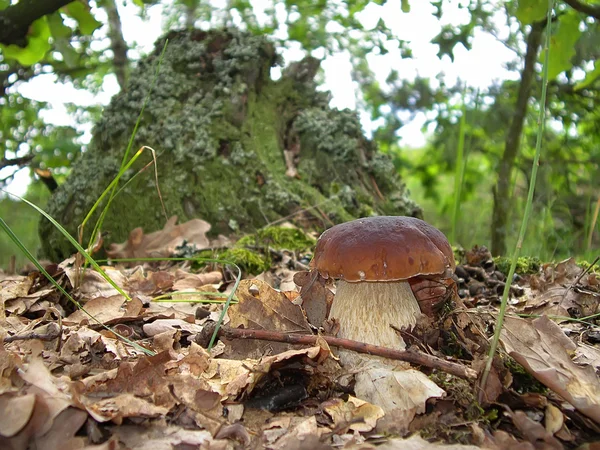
{"x": 384, "y": 248}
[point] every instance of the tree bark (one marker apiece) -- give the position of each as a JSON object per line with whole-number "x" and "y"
{"x": 502, "y": 200}
{"x": 117, "y": 42}
{"x": 16, "y": 19}
{"x": 190, "y": 14}
{"x": 585, "y": 8}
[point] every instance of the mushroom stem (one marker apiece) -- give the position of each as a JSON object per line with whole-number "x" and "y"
{"x": 366, "y": 311}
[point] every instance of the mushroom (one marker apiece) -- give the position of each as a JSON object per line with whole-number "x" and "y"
{"x": 373, "y": 259}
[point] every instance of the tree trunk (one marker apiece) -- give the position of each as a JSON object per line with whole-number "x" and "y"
{"x": 501, "y": 192}
{"x": 191, "y": 7}
{"x": 117, "y": 42}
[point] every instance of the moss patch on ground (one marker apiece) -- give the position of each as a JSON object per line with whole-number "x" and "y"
{"x": 526, "y": 265}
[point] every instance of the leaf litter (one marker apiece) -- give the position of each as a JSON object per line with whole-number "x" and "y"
{"x": 65, "y": 382}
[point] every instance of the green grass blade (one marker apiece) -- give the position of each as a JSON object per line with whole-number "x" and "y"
{"x": 43, "y": 271}
{"x": 527, "y": 213}
{"x": 73, "y": 241}
{"x": 459, "y": 171}
{"x": 112, "y": 186}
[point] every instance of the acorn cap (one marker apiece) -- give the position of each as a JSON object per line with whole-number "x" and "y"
{"x": 383, "y": 248}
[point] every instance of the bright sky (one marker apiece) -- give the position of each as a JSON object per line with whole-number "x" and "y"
{"x": 477, "y": 67}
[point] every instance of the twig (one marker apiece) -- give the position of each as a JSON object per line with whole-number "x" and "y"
{"x": 410, "y": 356}
{"x": 53, "y": 333}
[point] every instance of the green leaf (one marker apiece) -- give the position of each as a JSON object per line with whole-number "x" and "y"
{"x": 529, "y": 11}
{"x": 405, "y": 6}
{"x": 590, "y": 77}
{"x": 562, "y": 44}
{"x": 37, "y": 44}
{"x": 62, "y": 39}
{"x": 81, "y": 13}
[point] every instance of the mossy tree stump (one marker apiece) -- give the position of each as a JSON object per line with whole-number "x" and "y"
{"x": 234, "y": 147}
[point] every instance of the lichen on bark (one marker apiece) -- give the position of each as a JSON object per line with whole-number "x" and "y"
{"x": 222, "y": 129}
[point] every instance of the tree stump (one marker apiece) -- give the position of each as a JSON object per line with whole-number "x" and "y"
{"x": 234, "y": 147}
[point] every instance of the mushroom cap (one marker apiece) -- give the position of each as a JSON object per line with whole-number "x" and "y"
{"x": 383, "y": 248}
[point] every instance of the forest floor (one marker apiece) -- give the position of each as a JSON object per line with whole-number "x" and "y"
{"x": 68, "y": 381}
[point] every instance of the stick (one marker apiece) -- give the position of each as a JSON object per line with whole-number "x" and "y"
{"x": 410, "y": 356}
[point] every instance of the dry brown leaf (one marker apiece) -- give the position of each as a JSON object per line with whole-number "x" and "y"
{"x": 231, "y": 377}
{"x": 196, "y": 281}
{"x": 162, "y": 243}
{"x": 399, "y": 391}
{"x": 534, "y": 432}
{"x": 162, "y": 325}
{"x": 17, "y": 410}
{"x": 20, "y": 305}
{"x": 587, "y": 355}
{"x": 103, "y": 309}
{"x": 262, "y": 307}
{"x": 355, "y": 414}
{"x": 416, "y": 442}
{"x": 92, "y": 284}
{"x": 11, "y": 287}
{"x": 302, "y": 433}
{"x": 543, "y": 349}
{"x": 316, "y": 296}
{"x": 160, "y": 437}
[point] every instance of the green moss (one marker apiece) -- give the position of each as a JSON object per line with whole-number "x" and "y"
{"x": 278, "y": 238}
{"x": 585, "y": 265}
{"x": 526, "y": 265}
{"x": 459, "y": 254}
{"x": 248, "y": 260}
{"x": 523, "y": 382}
{"x": 461, "y": 392}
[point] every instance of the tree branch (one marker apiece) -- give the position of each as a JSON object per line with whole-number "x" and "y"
{"x": 16, "y": 19}
{"x": 582, "y": 7}
{"x": 410, "y": 356}
{"x": 20, "y": 162}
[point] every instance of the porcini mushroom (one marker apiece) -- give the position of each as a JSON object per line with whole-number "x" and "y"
{"x": 373, "y": 258}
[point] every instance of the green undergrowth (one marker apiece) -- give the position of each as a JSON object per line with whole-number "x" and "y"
{"x": 252, "y": 252}
{"x": 523, "y": 382}
{"x": 278, "y": 238}
{"x": 526, "y": 265}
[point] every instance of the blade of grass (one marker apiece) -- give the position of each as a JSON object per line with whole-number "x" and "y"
{"x": 592, "y": 226}
{"x": 459, "y": 171}
{"x": 112, "y": 189}
{"x": 527, "y": 213}
{"x": 73, "y": 241}
{"x": 43, "y": 271}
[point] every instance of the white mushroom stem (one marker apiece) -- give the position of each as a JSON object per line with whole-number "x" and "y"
{"x": 366, "y": 310}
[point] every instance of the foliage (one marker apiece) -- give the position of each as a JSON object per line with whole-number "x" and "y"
{"x": 18, "y": 217}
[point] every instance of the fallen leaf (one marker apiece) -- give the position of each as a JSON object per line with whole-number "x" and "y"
{"x": 17, "y": 412}
{"x": 403, "y": 391}
{"x": 354, "y": 413}
{"x": 262, "y": 307}
{"x": 162, "y": 243}
{"x": 543, "y": 350}
{"x": 103, "y": 309}
{"x": 316, "y": 296}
